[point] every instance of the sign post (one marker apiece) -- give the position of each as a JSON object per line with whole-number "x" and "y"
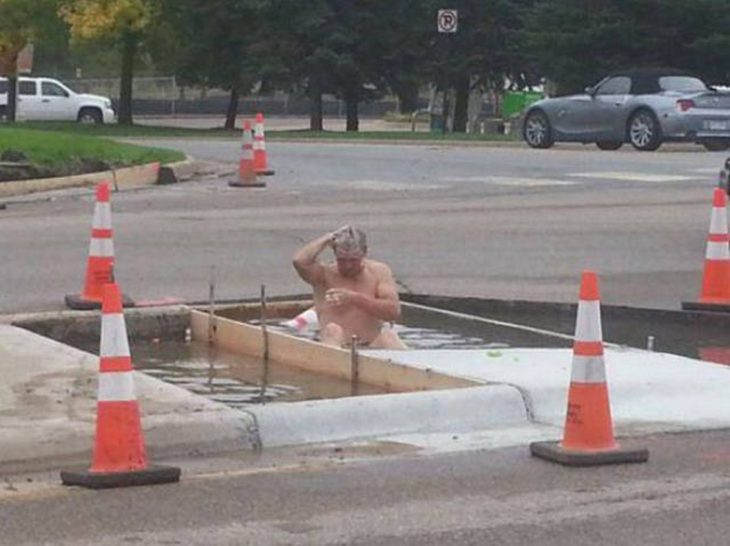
{"x": 447, "y": 23}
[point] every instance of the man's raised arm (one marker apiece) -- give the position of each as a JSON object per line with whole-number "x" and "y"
{"x": 305, "y": 259}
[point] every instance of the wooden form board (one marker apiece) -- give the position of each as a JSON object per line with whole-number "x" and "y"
{"x": 247, "y": 339}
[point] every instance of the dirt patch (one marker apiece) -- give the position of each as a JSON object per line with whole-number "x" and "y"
{"x": 15, "y": 166}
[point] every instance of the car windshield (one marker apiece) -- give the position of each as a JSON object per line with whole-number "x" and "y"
{"x": 681, "y": 83}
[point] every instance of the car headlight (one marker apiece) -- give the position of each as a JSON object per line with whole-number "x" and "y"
{"x": 108, "y": 103}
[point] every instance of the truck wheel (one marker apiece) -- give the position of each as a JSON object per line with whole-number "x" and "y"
{"x": 90, "y": 116}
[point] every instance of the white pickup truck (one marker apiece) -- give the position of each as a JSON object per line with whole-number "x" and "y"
{"x": 49, "y": 99}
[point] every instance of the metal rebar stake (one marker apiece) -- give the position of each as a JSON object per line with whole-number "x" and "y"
{"x": 211, "y": 307}
{"x": 354, "y": 367}
{"x": 265, "y": 346}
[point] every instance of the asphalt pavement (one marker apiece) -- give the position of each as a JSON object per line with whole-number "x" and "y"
{"x": 507, "y": 223}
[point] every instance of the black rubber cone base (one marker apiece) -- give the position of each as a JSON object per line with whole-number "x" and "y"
{"x": 700, "y": 306}
{"x": 76, "y": 302}
{"x": 267, "y": 172}
{"x": 152, "y": 475}
{"x": 552, "y": 451}
{"x": 239, "y": 184}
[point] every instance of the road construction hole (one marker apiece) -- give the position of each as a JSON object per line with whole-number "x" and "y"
{"x": 236, "y": 380}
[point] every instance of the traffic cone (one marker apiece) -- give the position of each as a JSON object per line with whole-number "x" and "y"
{"x": 246, "y": 171}
{"x": 715, "y": 294}
{"x": 588, "y": 434}
{"x": 304, "y": 321}
{"x": 260, "y": 161}
{"x": 718, "y": 355}
{"x": 119, "y": 452}
{"x": 100, "y": 264}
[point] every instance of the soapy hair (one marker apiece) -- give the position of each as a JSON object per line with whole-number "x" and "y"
{"x": 350, "y": 242}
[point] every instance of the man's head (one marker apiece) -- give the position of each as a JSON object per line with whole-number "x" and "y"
{"x": 350, "y": 247}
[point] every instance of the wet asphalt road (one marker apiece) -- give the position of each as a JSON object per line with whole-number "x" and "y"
{"x": 496, "y": 222}
{"x": 359, "y": 497}
{"x": 493, "y": 222}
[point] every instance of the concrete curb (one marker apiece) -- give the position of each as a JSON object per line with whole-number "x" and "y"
{"x": 452, "y": 411}
{"x": 48, "y": 400}
{"x": 128, "y": 177}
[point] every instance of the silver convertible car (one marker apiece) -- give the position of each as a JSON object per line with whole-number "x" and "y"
{"x": 643, "y": 107}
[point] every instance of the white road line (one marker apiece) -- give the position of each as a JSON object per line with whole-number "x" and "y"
{"x": 386, "y": 185}
{"x": 509, "y": 181}
{"x": 637, "y": 177}
{"x": 708, "y": 170}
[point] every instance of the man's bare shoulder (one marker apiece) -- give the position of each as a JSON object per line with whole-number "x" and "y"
{"x": 379, "y": 268}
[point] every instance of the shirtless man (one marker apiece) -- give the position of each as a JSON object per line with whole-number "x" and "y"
{"x": 352, "y": 296}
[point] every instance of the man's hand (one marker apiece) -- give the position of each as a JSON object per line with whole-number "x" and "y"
{"x": 339, "y": 296}
{"x": 336, "y": 233}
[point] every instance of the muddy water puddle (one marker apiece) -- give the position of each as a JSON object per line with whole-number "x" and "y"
{"x": 239, "y": 380}
{"x": 233, "y": 379}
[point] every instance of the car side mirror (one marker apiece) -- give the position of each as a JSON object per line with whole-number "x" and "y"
{"x": 590, "y": 90}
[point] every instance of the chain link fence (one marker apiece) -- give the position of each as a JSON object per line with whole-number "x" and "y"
{"x": 163, "y": 96}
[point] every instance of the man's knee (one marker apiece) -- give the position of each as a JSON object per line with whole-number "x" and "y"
{"x": 332, "y": 334}
{"x": 388, "y": 339}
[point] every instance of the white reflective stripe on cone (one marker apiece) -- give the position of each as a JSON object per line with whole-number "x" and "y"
{"x": 113, "y": 336}
{"x": 588, "y": 323}
{"x": 102, "y": 216}
{"x": 116, "y": 387}
{"x": 101, "y": 248}
{"x": 259, "y": 145}
{"x": 588, "y": 369}
{"x": 718, "y": 221}
{"x": 717, "y": 251}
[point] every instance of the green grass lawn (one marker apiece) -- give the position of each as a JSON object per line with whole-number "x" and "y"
{"x": 113, "y": 130}
{"x": 63, "y": 150}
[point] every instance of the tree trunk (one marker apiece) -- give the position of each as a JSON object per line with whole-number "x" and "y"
{"x": 129, "y": 50}
{"x": 407, "y": 97}
{"x": 462, "y": 104}
{"x": 352, "y": 102}
{"x": 232, "y": 111}
{"x": 315, "y": 107}
{"x": 11, "y": 111}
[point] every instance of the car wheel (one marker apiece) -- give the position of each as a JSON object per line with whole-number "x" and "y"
{"x": 715, "y": 145}
{"x": 609, "y": 144}
{"x": 537, "y": 131}
{"x": 90, "y": 116}
{"x": 644, "y": 131}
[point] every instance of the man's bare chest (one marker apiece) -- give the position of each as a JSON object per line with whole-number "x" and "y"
{"x": 365, "y": 283}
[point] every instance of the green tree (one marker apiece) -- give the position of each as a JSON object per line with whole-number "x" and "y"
{"x": 216, "y": 40}
{"x": 294, "y": 50}
{"x": 21, "y": 21}
{"x": 125, "y": 22}
{"x": 576, "y": 42}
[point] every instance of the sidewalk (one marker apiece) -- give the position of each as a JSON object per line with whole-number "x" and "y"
{"x": 48, "y": 407}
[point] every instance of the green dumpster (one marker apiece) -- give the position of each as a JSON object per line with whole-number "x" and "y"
{"x": 515, "y": 102}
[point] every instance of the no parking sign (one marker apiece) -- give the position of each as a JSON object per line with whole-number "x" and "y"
{"x": 447, "y": 20}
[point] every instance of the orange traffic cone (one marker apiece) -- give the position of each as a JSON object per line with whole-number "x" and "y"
{"x": 715, "y": 293}
{"x": 119, "y": 452}
{"x": 246, "y": 171}
{"x": 588, "y": 435}
{"x": 260, "y": 161}
{"x": 100, "y": 265}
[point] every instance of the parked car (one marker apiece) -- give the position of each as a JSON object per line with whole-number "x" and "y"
{"x": 49, "y": 99}
{"x": 643, "y": 107}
